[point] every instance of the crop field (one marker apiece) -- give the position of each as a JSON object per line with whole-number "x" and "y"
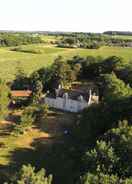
{"x": 33, "y": 61}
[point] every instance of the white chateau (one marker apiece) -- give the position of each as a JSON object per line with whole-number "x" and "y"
{"x": 71, "y": 100}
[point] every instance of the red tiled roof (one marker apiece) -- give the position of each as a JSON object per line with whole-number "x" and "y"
{"x": 21, "y": 93}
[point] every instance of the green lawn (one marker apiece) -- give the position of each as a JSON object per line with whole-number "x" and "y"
{"x": 31, "y": 62}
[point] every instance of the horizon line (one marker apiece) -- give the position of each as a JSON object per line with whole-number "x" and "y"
{"x": 58, "y": 31}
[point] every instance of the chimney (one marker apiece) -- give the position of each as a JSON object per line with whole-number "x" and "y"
{"x": 90, "y": 97}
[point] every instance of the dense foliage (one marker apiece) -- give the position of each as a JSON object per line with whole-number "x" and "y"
{"x": 26, "y": 121}
{"x": 92, "y": 41}
{"x": 29, "y": 175}
{"x": 110, "y": 160}
{"x": 15, "y": 39}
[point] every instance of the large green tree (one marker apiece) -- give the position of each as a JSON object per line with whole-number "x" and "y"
{"x": 111, "y": 157}
{"x": 37, "y": 91}
{"x": 115, "y": 88}
{"x": 62, "y": 71}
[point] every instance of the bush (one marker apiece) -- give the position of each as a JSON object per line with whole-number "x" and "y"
{"x": 26, "y": 122}
{"x": 29, "y": 175}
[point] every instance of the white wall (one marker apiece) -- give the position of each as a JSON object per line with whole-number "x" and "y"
{"x": 66, "y": 104}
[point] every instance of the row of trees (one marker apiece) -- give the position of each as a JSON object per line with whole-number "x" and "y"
{"x": 92, "y": 68}
{"x": 65, "y": 72}
{"x": 73, "y": 42}
{"x": 15, "y": 39}
{"x": 92, "y": 41}
{"x": 60, "y": 72}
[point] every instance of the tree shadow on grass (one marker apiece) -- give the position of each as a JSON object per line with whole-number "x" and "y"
{"x": 18, "y": 158}
{"x": 56, "y": 122}
{"x": 56, "y": 157}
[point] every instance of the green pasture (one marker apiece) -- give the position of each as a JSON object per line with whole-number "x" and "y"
{"x": 31, "y": 62}
{"x": 49, "y": 39}
{"x": 123, "y": 37}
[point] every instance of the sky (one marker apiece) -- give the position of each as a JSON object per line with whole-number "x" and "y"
{"x": 66, "y": 15}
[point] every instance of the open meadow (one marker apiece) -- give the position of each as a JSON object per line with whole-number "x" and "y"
{"x": 127, "y": 37}
{"x": 32, "y": 61}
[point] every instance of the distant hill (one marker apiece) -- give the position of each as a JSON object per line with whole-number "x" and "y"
{"x": 127, "y": 33}
{"x": 63, "y": 33}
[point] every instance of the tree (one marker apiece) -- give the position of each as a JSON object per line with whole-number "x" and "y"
{"x": 4, "y": 99}
{"x": 115, "y": 88}
{"x": 102, "y": 158}
{"x": 62, "y": 71}
{"x": 70, "y": 40}
{"x": 110, "y": 157}
{"x": 26, "y": 121}
{"x": 45, "y": 75}
{"x": 37, "y": 91}
{"x": 41, "y": 112}
{"x": 120, "y": 139}
{"x": 44, "y": 109}
{"x": 98, "y": 119}
{"x": 100, "y": 178}
{"x": 29, "y": 175}
{"x": 112, "y": 64}
{"x": 21, "y": 81}
{"x": 90, "y": 67}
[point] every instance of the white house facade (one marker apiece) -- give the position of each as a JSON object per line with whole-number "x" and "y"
{"x": 71, "y": 100}
{"x": 66, "y": 104}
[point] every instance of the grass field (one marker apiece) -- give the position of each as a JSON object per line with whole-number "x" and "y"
{"x": 31, "y": 62}
{"x": 123, "y": 37}
{"x": 46, "y": 132}
{"x": 49, "y": 39}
